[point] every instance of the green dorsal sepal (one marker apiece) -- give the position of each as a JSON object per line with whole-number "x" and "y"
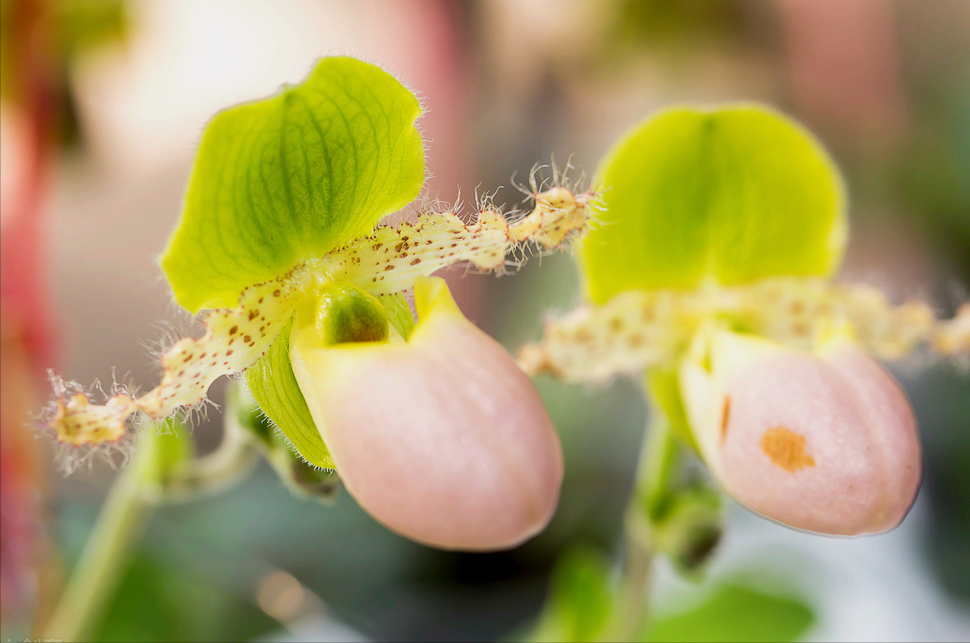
{"x": 730, "y": 195}
{"x": 286, "y": 179}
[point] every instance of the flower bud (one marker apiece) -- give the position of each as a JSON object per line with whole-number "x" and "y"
{"x": 824, "y": 442}
{"x": 443, "y": 439}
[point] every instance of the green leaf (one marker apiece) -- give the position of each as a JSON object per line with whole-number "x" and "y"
{"x": 275, "y": 389}
{"x": 156, "y": 601}
{"x": 735, "y": 613}
{"x": 734, "y": 195}
{"x": 291, "y": 177}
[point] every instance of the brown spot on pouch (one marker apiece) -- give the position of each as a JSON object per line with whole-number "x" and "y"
{"x": 786, "y": 449}
{"x": 725, "y": 417}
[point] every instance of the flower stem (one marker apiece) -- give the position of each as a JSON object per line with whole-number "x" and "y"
{"x": 214, "y": 473}
{"x": 651, "y": 494}
{"x": 657, "y": 463}
{"x": 161, "y": 470}
{"x": 96, "y": 574}
{"x": 634, "y": 591}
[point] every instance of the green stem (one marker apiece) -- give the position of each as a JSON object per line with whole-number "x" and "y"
{"x": 657, "y": 463}
{"x": 96, "y": 574}
{"x": 161, "y": 470}
{"x": 225, "y": 467}
{"x": 634, "y": 591}
{"x": 651, "y": 496}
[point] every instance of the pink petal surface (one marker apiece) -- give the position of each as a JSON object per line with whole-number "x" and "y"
{"x": 824, "y": 443}
{"x": 443, "y": 439}
{"x": 894, "y": 427}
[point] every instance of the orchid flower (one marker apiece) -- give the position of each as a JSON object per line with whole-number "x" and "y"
{"x": 432, "y": 428}
{"x": 713, "y": 263}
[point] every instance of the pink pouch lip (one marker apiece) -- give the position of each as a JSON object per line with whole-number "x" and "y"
{"x": 824, "y": 443}
{"x": 442, "y": 439}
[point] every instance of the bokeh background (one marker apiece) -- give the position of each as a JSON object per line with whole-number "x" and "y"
{"x": 103, "y": 104}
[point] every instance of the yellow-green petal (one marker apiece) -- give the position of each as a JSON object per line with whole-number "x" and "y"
{"x": 275, "y": 389}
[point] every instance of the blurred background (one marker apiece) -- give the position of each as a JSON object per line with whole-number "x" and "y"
{"x": 103, "y": 103}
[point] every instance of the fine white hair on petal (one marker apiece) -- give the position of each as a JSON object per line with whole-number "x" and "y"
{"x": 390, "y": 259}
{"x": 234, "y": 339}
{"x": 639, "y": 329}
{"x": 386, "y": 262}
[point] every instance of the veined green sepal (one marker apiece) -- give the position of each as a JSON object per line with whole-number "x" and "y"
{"x": 732, "y": 195}
{"x": 291, "y": 177}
